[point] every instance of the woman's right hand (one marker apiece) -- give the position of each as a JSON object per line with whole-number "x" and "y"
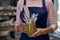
{"x": 21, "y": 28}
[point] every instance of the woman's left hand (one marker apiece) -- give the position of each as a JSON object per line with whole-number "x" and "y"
{"x": 37, "y": 33}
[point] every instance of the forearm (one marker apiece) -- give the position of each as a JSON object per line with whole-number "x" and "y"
{"x": 49, "y": 29}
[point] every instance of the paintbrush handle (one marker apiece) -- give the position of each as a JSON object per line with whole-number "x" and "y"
{"x": 35, "y": 20}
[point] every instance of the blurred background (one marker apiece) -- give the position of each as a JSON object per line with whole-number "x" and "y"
{"x": 8, "y": 17}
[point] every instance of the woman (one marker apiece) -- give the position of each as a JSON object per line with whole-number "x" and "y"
{"x": 44, "y": 9}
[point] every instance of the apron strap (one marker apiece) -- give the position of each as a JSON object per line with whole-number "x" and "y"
{"x": 43, "y": 3}
{"x": 24, "y": 2}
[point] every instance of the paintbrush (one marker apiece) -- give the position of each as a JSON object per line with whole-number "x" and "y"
{"x": 27, "y": 13}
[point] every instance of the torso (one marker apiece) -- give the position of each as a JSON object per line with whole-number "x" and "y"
{"x": 41, "y": 11}
{"x": 41, "y": 18}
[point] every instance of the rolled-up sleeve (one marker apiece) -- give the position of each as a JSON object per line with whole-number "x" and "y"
{"x": 52, "y": 15}
{"x": 19, "y": 9}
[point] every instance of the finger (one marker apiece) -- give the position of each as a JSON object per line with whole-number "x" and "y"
{"x": 25, "y": 30}
{"x": 31, "y": 36}
{"x": 37, "y": 29}
{"x": 35, "y": 34}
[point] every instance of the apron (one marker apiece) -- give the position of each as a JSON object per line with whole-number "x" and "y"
{"x": 40, "y": 23}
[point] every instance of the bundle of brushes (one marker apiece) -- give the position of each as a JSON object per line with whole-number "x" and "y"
{"x": 30, "y": 21}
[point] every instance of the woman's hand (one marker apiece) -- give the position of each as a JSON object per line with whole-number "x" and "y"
{"x": 42, "y": 31}
{"x": 21, "y": 28}
{"x": 37, "y": 33}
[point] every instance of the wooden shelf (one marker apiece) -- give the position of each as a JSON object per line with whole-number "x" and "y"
{"x": 6, "y": 14}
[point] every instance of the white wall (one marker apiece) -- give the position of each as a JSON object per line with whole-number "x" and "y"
{"x": 57, "y": 9}
{"x": 59, "y": 14}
